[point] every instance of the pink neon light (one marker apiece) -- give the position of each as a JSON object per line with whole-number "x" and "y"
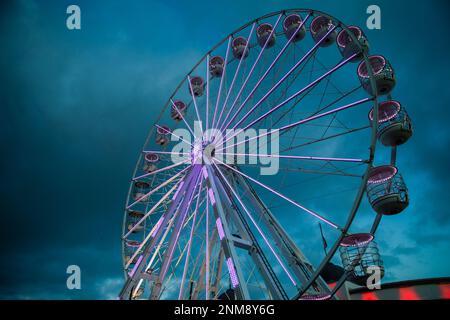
{"x": 220, "y": 228}
{"x": 362, "y": 69}
{"x": 232, "y": 271}
{"x": 382, "y": 174}
{"x": 133, "y": 244}
{"x": 315, "y": 297}
{"x": 131, "y": 274}
{"x": 356, "y": 240}
{"x": 386, "y": 114}
{"x": 211, "y": 197}
{"x": 152, "y": 157}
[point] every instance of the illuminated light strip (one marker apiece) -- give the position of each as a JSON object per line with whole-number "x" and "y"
{"x": 205, "y": 173}
{"x": 315, "y": 297}
{"x": 211, "y": 197}
{"x": 131, "y": 274}
{"x": 158, "y": 225}
{"x": 373, "y": 179}
{"x": 232, "y": 272}
{"x": 178, "y": 190}
{"x": 220, "y": 229}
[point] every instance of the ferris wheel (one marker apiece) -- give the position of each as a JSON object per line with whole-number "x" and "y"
{"x": 219, "y": 229}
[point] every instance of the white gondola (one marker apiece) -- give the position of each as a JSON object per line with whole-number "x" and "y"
{"x": 162, "y": 135}
{"x": 360, "y": 258}
{"x": 240, "y": 48}
{"x": 348, "y": 47}
{"x": 178, "y": 110}
{"x": 383, "y": 74}
{"x": 133, "y": 218}
{"x": 291, "y": 28}
{"x": 386, "y": 190}
{"x": 265, "y": 34}
{"x": 151, "y": 162}
{"x": 394, "y": 124}
{"x": 216, "y": 66}
{"x": 140, "y": 189}
{"x": 196, "y": 86}
{"x": 319, "y": 28}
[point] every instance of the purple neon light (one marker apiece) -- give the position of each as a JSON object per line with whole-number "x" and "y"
{"x": 315, "y": 297}
{"x": 205, "y": 173}
{"x": 131, "y": 274}
{"x": 211, "y": 197}
{"x": 232, "y": 272}
{"x": 178, "y": 190}
{"x": 381, "y": 174}
{"x": 357, "y": 240}
{"x": 158, "y": 226}
{"x": 387, "y": 110}
{"x": 184, "y": 210}
{"x": 220, "y": 228}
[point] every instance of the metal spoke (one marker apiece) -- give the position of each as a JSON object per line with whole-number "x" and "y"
{"x": 268, "y": 71}
{"x": 282, "y": 196}
{"x": 182, "y": 117}
{"x": 236, "y": 73}
{"x": 337, "y": 67}
{"x": 251, "y": 70}
{"x": 256, "y": 225}
{"x": 221, "y": 83}
{"x": 173, "y": 134}
{"x": 318, "y": 116}
{"x": 195, "y": 104}
{"x": 292, "y": 157}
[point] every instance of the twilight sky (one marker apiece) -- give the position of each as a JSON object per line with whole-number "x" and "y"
{"x": 76, "y": 107}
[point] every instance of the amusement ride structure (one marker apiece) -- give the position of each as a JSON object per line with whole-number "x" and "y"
{"x": 219, "y": 230}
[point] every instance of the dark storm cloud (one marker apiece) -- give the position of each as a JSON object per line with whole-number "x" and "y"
{"x": 76, "y": 106}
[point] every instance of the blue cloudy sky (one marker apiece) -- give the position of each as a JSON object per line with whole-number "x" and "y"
{"x": 76, "y": 106}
